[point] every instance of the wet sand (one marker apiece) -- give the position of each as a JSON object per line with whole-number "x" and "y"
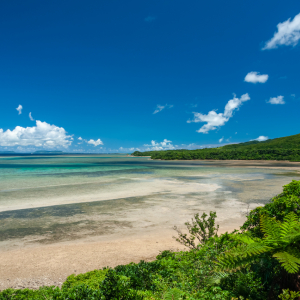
{"x": 45, "y": 244}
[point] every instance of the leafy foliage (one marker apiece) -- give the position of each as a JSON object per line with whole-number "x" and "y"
{"x": 173, "y": 294}
{"x": 281, "y": 240}
{"x": 289, "y": 295}
{"x": 93, "y": 279}
{"x": 201, "y": 229}
{"x": 278, "y": 208}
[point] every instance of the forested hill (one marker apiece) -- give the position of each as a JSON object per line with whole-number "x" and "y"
{"x": 285, "y": 148}
{"x": 287, "y": 142}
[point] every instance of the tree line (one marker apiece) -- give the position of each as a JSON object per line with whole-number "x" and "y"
{"x": 224, "y": 154}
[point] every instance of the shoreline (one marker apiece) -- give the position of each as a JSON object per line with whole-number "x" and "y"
{"x": 47, "y": 265}
{"x": 144, "y": 228}
{"x": 244, "y": 163}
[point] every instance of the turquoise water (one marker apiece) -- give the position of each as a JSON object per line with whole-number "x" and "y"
{"x": 49, "y": 199}
{"x": 27, "y": 182}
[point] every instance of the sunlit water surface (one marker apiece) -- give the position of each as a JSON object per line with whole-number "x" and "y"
{"x": 68, "y": 197}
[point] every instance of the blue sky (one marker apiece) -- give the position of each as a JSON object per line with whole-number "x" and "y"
{"x": 127, "y": 75}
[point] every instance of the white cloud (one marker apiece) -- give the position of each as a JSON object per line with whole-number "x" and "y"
{"x": 126, "y": 150}
{"x": 288, "y": 33}
{"x": 42, "y": 135}
{"x": 19, "y": 109}
{"x": 261, "y": 138}
{"x": 276, "y": 100}
{"x": 195, "y": 146}
{"x": 165, "y": 144}
{"x": 214, "y": 120}
{"x": 150, "y": 19}
{"x": 80, "y": 138}
{"x": 159, "y": 108}
{"x": 255, "y": 77}
{"x": 95, "y": 143}
{"x": 221, "y": 139}
{"x": 30, "y": 117}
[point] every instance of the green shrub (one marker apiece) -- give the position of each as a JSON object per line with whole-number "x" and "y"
{"x": 201, "y": 230}
{"x": 289, "y": 295}
{"x": 278, "y": 208}
{"x": 93, "y": 279}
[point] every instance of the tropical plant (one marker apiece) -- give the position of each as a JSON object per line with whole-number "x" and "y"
{"x": 281, "y": 241}
{"x": 201, "y": 229}
{"x": 279, "y": 206}
{"x": 289, "y": 295}
{"x": 173, "y": 294}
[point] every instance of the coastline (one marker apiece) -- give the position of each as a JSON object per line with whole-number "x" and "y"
{"x": 144, "y": 228}
{"x": 46, "y": 265}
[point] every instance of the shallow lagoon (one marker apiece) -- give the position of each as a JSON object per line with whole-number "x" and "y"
{"x": 65, "y": 214}
{"x": 63, "y": 198}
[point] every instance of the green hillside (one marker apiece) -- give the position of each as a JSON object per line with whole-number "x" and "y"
{"x": 287, "y": 142}
{"x": 285, "y": 148}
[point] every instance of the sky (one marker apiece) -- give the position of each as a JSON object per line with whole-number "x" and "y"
{"x": 120, "y": 76}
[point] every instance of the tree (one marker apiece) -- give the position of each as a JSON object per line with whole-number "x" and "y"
{"x": 200, "y": 229}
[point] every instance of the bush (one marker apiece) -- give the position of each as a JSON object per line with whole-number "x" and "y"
{"x": 278, "y": 208}
{"x": 93, "y": 279}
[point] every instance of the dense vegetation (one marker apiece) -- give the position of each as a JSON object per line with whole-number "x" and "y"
{"x": 286, "y": 148}
{"x": 259, "y": 262}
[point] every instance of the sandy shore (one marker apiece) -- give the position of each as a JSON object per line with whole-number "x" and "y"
{"x": 37, "y": 266}
{"x": 50, "y": 265}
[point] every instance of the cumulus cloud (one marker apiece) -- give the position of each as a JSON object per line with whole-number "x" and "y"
{"x": 215, "y": 120}
{"x": 288, "y": 33}
{"x": 42, "y": 135}
{"x": 276, "y": 100}
{"x": 164, "y": 145}
{"x": 150, "y": 19}
{"x": 221, "y": 139}
{"x": 255, "y": 77}
{"x": 80, "y": 138}
{"x": 159, "y": 108}
{"x": 30, "y": 117}
{"x": 197, "y": 146}
{"x": 261, "y": 138}
{"x": 126, "y": 150}
{"x": 19, "y": 109}
{"x": 95, "y": 143}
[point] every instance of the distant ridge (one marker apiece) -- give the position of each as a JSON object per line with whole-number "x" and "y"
{"x": 287, "y": 142}
{"x": 285, "y": 148}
